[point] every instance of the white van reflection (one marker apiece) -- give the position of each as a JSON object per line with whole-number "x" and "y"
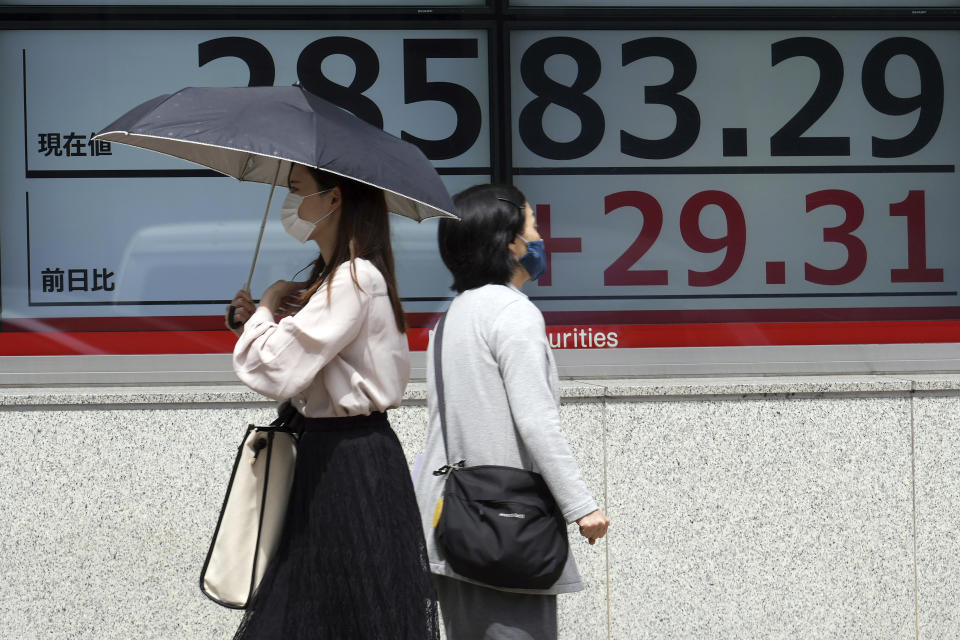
{"x": 209, "y": 261}
{"x": 205, "y": 261}
{"x": 420, "y": 271}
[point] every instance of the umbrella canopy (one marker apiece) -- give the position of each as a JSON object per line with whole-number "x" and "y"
{"x": 255, "y": 133}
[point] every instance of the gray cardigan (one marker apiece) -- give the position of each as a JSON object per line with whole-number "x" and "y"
{"x": 502, "y": 408}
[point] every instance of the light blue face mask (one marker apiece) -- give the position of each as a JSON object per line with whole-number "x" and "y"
{"x": 535, "y": 259}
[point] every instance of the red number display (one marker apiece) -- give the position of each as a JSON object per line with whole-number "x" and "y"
{"x": 619, "y": 273}
{"x": 914, "y": 210}
{"x": 842, "y": 234}
{"x": 734, "y": 242}
{"x": 623, "y": 272}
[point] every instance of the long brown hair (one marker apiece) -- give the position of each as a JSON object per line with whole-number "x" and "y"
{"x": 363, "y": 232}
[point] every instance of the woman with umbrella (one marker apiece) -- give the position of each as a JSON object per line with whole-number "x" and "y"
{"x": 352, "y": 561}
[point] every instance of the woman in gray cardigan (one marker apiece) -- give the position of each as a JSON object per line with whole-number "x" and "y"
{"x": 502, "y": 405}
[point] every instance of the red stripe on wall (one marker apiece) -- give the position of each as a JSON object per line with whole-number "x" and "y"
{"x": 695, "y": 316}
{"x": 50, "y": 343}
{"x": 15, "y": 343}
{"x": 754, "y": 334}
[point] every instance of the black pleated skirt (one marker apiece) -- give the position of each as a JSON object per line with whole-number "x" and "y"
{"x": 352, "y": 563}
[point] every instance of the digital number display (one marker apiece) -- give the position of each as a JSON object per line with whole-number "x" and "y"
{"x": 94, "y": 230}
{"x": 741, "y": 175}
{"x": 680, "y": 177}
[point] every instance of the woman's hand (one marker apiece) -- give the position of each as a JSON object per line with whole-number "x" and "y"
{"x": 243, "y": 308}
{"x": 281, "y": 297}
{"x": 593, "y": 526}
{"x": 290, "y": 303}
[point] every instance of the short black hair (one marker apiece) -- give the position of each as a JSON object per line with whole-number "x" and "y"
{"x": 475, "y": 249}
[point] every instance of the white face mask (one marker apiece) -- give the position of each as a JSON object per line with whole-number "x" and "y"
{"x": 296, "y": 226}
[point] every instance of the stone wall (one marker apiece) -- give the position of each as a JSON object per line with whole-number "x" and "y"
{"x": 805, "y": 507}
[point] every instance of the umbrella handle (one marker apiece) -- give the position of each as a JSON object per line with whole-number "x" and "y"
{"x": 231, "y": 322}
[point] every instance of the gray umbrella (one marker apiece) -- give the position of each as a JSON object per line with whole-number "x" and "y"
{"x": 255, "y": 133}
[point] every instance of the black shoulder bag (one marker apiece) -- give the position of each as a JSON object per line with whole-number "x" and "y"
{"x": 497, "y": 525}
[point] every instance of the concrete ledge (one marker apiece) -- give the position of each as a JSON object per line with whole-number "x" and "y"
{"x": 416, "y": 392}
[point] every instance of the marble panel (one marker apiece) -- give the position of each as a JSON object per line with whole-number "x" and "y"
{"x": 789, "y": 515}
{"x": 937, "y": 452}
{"x": 182, "y": 395}
{"x": 935, "y": 382}
{"x": 764, "y": 517}
{"x": 108, "y": 520}
{"x": 747, "y": 386}
{"x": 583, "y": 615}
{"x": 409, "y": 421}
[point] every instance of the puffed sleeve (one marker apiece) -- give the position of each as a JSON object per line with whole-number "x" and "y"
{"x": 280, "y": 360}
{"x": 522, "y": 352}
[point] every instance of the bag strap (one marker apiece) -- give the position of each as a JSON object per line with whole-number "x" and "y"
{"x": 441, "y": 405}
{"x": 285, "y": 415}
{"x": 438, "y": 378}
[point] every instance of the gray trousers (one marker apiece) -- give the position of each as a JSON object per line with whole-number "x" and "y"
{"x": 471, "y": 612}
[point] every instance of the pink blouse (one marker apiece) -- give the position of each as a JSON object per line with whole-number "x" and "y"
{"x": 340, "y": 355}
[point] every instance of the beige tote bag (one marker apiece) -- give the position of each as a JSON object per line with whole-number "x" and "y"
{"x": 251, "y": 520}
